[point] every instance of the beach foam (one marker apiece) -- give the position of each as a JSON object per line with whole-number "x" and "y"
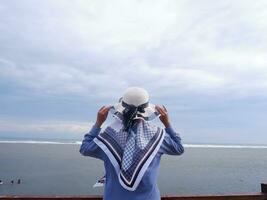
{"x": 38, "y": 142}
{"x": 225, "y": 146}
{"x": 185, "y": 145}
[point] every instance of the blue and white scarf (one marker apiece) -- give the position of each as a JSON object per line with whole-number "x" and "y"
{"x": 130, "y": 152}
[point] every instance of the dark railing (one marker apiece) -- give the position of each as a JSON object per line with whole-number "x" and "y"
{"x": 250, "y": 196}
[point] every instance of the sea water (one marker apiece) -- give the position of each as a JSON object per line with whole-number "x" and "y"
{"x": 57, "y": 168}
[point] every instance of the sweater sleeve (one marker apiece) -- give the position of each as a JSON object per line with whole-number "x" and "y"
{"x": 89, "y": 147}
{"x": 171, "y": 144}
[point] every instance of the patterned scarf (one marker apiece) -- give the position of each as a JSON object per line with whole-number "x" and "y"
{"x": 130, "y": 152}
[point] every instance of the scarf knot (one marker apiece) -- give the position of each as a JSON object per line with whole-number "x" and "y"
{"x": 130, "y": 112}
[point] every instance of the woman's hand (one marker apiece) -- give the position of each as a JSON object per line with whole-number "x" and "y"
{"x": 102, "y": 115}
{"x": 164, "y": 118}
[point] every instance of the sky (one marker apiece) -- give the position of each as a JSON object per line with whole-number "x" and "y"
{"x": 205, "y": 60}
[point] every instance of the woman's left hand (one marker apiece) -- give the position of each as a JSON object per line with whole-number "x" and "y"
{"x": 102, "y": 115}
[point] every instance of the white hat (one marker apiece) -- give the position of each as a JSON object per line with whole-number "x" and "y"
{"x": 138, "y": 97}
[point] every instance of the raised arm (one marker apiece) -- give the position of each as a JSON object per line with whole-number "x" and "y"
{"x": 89, "y": 147}
{"x": 171, "y": 144}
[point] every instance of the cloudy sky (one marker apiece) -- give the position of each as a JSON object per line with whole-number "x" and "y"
{"x": 205, "y": 60}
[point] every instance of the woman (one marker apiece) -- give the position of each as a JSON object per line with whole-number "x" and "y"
{"x": 131, "y": 146}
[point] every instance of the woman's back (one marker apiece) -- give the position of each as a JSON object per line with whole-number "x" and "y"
{"x": 131, "y": 147}
{"x": 147, "y": 188}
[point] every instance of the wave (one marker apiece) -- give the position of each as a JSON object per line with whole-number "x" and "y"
{"x": 185, "y": 145}
{"x": 38, "y": 142}
{"x": 225, "y": 146}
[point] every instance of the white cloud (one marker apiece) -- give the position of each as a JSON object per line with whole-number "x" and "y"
{"x": 61, "y": 79}
{"x": 37, "y": 127}
{"x": 99, "y": 48}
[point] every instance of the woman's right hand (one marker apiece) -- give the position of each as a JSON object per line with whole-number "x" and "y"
{"x": 102, "y": 115}
{"x": 164, "y": 117}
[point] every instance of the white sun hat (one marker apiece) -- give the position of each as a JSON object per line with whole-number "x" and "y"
{"x": 138, "y": 97}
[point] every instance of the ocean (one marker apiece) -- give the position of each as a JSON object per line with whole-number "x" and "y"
{"x": 57, "y": 168}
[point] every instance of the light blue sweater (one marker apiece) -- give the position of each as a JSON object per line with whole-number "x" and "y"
{"x": 147, "y": 188}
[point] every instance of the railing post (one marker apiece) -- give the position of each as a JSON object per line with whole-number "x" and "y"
{"x": 264, "y": 188}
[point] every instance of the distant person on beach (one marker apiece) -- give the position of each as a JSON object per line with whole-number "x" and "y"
{"x": 1, "y": 182}
{"x": 19, "y": 181}
{"x": 131, "y": 146}
{"x": 12, "y": 181}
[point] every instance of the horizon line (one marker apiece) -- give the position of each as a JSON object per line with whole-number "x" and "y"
{"x": 188, "y": 145}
